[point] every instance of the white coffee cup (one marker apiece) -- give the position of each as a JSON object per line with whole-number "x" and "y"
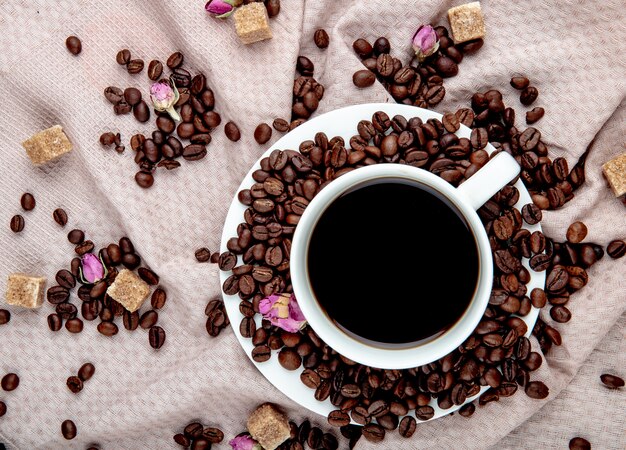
{"x": 467, "y": 198}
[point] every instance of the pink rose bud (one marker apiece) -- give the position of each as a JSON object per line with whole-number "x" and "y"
{"x": 283, "y": 311}
{"x": 93, "y": 269}
{"x": 425, "y": 42}
{"x": 220, "y": 9}
{"x": 244, "y": 442}
{"x": 164, "y": 96}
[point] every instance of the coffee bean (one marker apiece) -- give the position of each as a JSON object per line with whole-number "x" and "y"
{"x": 202, "y": 254}
{"x": 305, "y": 66}
{"x": 17, "y": 223}
{"x": 407, "y": 427}
{"x": 446, "y": 67}
{"x": 135, "y": 66}
{"x": 528, "y": 95}
{"x": 74, "y": 384}
{"x": 261, "y": 353}
{"x": 537, "y": 390}
{"x": 57, "y": 294}
{"x": 534, "y": 115}
{"x": 5, "y": 316}
{"x": 107, "y": 328}
{"x": 155, "y": 69}
{"x": 213, "y": 435}
{"x": 54, "y": 322}
{"x": 28, "y": 201}
{"x": 616, "y": 249}
{"x": 262, "y": 133}
{"x": 113, "y": 94}
{"x": 363, "y": 78}
{"x": 321, "y": 39}
{"x": 65, "y": 279}
{"x": 10, "y": 382}
{"x": 232, "y": 131}
{"x": 362, "y": 48}
{"x": 289, "y": 358}
{"x": 557, "y": 279}
{"x": 531, "y": 213}
{"x": 86, "y": 371}
{"x": 74, "y": 45}
{"x": 74, "y": 325}
{"x": 338, "y": 418}
{"x": 281, "y": 125}
{"x": 579, "y": 443}
{"x": 156, "y": 337}
{"x": 84, "y": 247}
{"x": 68, "y": 429}
{"x": 60, "y": 216}
{"x": 141, "y": 111}
{"x": 175, "y": 60}
{"x": 373, "y": 432}
{"x": 144, "y": 179}
{"x": 576, "y": 232}
{"x": 384, "y": 65}
{"x": 148, "y": 319}
{"x": 3, "y": 408}
{"x": 66, "y": 310}
{"x": 167, "y": 126}
{"x": 520, "y": 82}
{"x": 529, "y": 139}
{"x": 132, "y": 96}
{"x": 227, "y": 261}
{"x": 148, "y": 276}
{"x": 381, "y": 45}
{"x": 123, "y": 57}
{"x": 612, "y": 381}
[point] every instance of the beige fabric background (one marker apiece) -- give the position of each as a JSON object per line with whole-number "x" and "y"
{"x": 139, "y": 398}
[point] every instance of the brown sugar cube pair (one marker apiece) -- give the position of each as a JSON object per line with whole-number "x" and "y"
{"x": 47, "y": 145}
{"x": 25, "y": 290}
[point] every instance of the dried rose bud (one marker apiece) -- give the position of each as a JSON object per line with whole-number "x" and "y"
{"x": 220, "y": 9}
{"x": 92, "y": 270}
{"x": 244, "y": 442}
{"x": 164, "y": 96}
{"x": 425, "y": 42}
{"x": 283, "y": 311}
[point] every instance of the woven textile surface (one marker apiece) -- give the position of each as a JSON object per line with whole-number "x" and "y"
{"x": 139, "y": 398}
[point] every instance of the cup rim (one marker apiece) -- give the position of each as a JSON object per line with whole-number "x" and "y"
{"x": 391, "y": 356}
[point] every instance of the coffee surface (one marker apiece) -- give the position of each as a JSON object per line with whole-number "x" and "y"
{"x": 393, "y": 263}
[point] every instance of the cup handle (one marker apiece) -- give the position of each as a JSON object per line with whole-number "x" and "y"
{"x": 481, "y": 186}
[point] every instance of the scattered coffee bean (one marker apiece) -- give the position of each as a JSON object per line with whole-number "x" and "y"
{"x": 612, "y": 381}
{"x": 10, "y": 382}
{"x": 156, "y": 337}
{"x": 203, "y": 254}
{"x": 144, "y": 179}
{"x": 262, "y": 133}
{"x": 148, "y": 319}
{"x": 576, "y": 232}
{"x": 363, "y": 78}
{"x": 68, "y": 429}
{"x": 520, "y": 82}
{"x": 407, "y": 426}
{"x": 528, "y": 95}
{"x": 616, "y": 249}
{"x": 373, "y": 432}
{"x": 305, "y": 66}
{"x": 74, "y": 325}
{"x": 135, "y": 66}
{"x": 76, "y": 236}
{"x": 60, "y": 216}
{"x": 579, "y": 443}
{"x": 5, "y": 316}
{"x": 55, "y": 322}
{"x": 281, "y": 125}
{"x": 155, "y": 69}
{"x": 132, "y": 96}
{"x": 148, "y": 276}
{"x": 537, "y": 390}
{"x": 74, "y": 45}
{"x": 86, "y": 371}
{"x": 534, "y": 115}
{"x": 175, "y": 60}
{"x": 123, "y": 57}
{"x": 321, "y": 39}
{"x": 17, "y": 223}
{"x": 3, "y": 408}
{"x": 74, "y": 384}
{"x": 273, "y": 7}
{"x": 232, "y": 131}
{"x": 141, "y": 111}
{"x": 27, "y": 201}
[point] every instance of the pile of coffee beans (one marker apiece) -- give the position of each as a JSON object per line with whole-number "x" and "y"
{"x": 307, "y": 93}
{"x": 307, "y": 435}
{"x": 75, "y": 382}
{"x": 170, "y": 141}
{"x": 96, "y": 304}
{"x": 28, "y": 203}
{"x": 284, "y": 185}
{"x": 217, "y": 319}
{"x": 419, "y": 84}
{"x": 198, "y": 437}
{"x": 9, "y": 383}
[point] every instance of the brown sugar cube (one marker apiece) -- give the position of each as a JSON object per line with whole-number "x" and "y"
{"x": 615, "y": 173}
{"x": 268, "y": 426}
{"x": 47, "y": 145}
{"x": 129, "y": 290}
{"x": 252, "y": 23}
{"x": 466, "y": 22}
{"x": 25, "y": 290}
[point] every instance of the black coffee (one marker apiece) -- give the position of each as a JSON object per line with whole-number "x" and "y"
{"x": 393, "y": 263}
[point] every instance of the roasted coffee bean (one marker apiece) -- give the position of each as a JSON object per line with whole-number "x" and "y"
{"x": 3, "y": 408}
{"x": 612, "y": 381}
{"x": 86, "y": 371}
{"x": 528, "y": 95}
{"x": 529, "y": 139}
{"x": 616, "y": 249}
{"x": 407, "y": 427}
{"x": 579, "y": 443}
{"x": 135, "y": 66}
{"x": 531, "y": 213}
{"x": 232, "y": 131}
{"x": 74, "y": 325}
{"x": 10, "y": 382}
{"x": 203, "y": 254}
{"x": 289, "y": 358}
{"x": 84, "y": 247}
{"x": 537, "y": 390}
{"x": 576, "y": 232}
{"x": 141, "y": 111}
{"x": 107, "y": 328}
{"x": 262, "y": 133}
{"x": 435, "y": 94}
{"x": 305, "y": 66}
{"x": 175, "y": 60}
{"x": 17, "y": 223}
{"x": 247, "y": 327}
{"x": 281, "y": 125}
{"x": 373, "y": 432}
{"x": 362, "y": 48}
{"x": 123, "y": 57}
{"x": 60, "y": 216}
{"x": 113, "y": 94}
{"x": 68, "y": 429}
{"x": 338, "y": 418}
{"x": 560, "y": 314}
{"x": 194, "y": 152}
{"x": 378, "y": 408}
{"x": 156, "y": 337}
{"x": 57, "y": 294}
{"x": 55, "y": 322}
{"x": 261, "y": 353}
{"x": 66, "y": 310}
{"x": 155, "y": 69}
{"x": 27, "y": 201}
{"x": 384, "y": 65}
{"x": 132, "y": 96}
{"x": 213, "y": 435}
{"x": 381, "y": 45}
{"x": 520, "y": 82}
{"x": 446, "y": 67}
{"x": 73, "y": 44}
{"x": 227, "y": 261}
{"x": 321, "y": 39}
{"x": 534, "y": 115}
{"x": 74, "y": 384}
{"x": 479, "y": 138}
{"x": 148, "y": 276}
{"x": 5, "y": 316}
{"x": 363, "y": 78}
{"x": 148, "y": 319}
